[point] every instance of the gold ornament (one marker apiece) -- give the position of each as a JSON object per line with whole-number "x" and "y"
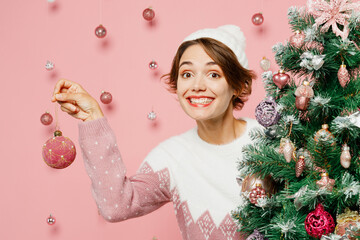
{"x": 250, "y": 182}
{"x": 344, "y": 221}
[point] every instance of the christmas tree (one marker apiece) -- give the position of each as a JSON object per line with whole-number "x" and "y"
{"x": 301, "y": 175}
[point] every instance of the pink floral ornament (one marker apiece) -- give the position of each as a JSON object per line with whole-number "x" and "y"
{"x": 331, "y": 13}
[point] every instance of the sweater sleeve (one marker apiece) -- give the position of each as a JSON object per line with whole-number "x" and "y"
{"x": 117, "y": 196}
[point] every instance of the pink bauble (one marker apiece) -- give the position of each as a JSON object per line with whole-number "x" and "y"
{"x": 302, "y": 103}
{"x": 46, "y": 118}
{"x": 343, "y": 75}
{"x": 257, "y": 19}
{"x": 153, "y": 65}
{"x": 148, "y": 14}
{"x": 100, "y": 31}
{"x": 315, "y": 45}
{"x": 297, "y": 40}
{"x": 256, "y": 193}
{"x": 319, "y": 222}
{"x": 59, "y": 152}
{"x": 51, "y": 220}
{"x": 281, "y": 79}
{"x": 106, "y": 97}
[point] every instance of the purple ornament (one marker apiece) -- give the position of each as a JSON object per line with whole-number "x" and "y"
{"x": 266, "y": 113}
{"x": 256, "y": 235}
{"x": 106, "y": 97}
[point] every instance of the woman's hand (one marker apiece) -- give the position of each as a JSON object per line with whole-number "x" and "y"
{"x": 75, "y": 101}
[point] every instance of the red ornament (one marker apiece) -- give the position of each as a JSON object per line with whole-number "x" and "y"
{"x": 256, "y": 193}
{"x": 343, "y": 75}
{"x": 46, "y": 118}
{"x": 153, "y": 65}
{"x": 319, "y": 222}
{"x": 105, "y": 97}
{"x": 59, "y": 152}
{"x": 297, "y": 40}
{"x": 281, "y": 79}
{"x": 100, "y": 31}
{"x": 148, "y": 14}
{"x": 257, "y": 19}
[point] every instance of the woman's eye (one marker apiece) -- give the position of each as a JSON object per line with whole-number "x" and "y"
{"x": 186, "y": 75}
{"x": 214, "y": 75}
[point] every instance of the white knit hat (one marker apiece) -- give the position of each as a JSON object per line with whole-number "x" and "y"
{"x": 230, "y": 35}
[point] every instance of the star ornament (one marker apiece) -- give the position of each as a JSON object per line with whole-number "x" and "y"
{"x": 331, "y": 13}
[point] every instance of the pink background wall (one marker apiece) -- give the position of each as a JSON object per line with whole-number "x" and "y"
{"x": 33, "y": 32}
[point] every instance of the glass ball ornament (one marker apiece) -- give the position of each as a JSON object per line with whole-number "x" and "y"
{"x": 256, "y": 193}
{"x": 100, "y": 31}
{"x": 59, "y": 152}
{"x": 105, "y": 97}
{"x": 148, "y": 14}
{"x": 153, "y": 65}
{"x": 49, "y": 65}
{"x": 46, "y": 118}
{"x": 257, "y": 19}
{"x": 51, "y": 220}
{"x": 266, "y": 113}
{"x": 319, "y": 222}
{"x": 151, "y": 115}
{"x": 265, "y": 64}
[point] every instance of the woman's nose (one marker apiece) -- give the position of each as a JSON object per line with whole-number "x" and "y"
{"x": 199, "y": 84}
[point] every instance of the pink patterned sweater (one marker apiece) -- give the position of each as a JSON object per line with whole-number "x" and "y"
{"x": 197, "y": 177}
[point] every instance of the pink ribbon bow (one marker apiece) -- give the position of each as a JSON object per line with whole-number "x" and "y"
{"x": 332, "y": 12}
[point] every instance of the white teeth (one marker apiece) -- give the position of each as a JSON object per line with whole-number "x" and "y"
{"x": 201, "y": 100}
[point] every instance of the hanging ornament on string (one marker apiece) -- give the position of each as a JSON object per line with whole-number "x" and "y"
{"x": 303, "y": 95}
{"x": 265, "y": 64}
{"x": 324, "y": 135}
{"x": 51, "y": 220}
{"x": 325, "y": 182}
{"x": 297, "y": 40}
{"x": 59, "y": 151}
{"x": 257, "y": 19}
{"x": 49, "y": 65}
{"x": 281, "y": 79}
{"x": 153, "y": 65}
{"x": 100, "y": 31}
{"x": 345, "y": 221}
{"x": 266, "y": 112}
{"x": 345, "y": 157}
{"x": 300, "y": 166}
{"x": 105, "y": 97}
{"x": 46, "y": 118}
{"x": 151, "y": 116}
{"x": 343, "y": 75}
{"x": 319, "y": 222}
{"x": 287, "y": 148}
{"x": 148, "y": 14}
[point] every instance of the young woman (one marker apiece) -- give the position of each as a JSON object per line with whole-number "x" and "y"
{"x": 196, "y": 170}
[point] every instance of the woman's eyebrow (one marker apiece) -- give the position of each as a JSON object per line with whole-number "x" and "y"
{"x": 186, "y": 62}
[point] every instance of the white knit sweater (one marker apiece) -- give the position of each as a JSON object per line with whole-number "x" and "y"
{"x": 198, "y": 177}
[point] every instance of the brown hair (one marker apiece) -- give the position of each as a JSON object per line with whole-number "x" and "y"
{"x": 239, "y": 78}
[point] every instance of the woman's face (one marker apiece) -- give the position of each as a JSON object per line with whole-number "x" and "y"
{"x": 202, "y": 89}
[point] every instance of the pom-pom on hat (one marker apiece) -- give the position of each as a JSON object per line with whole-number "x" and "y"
{"x": 230, "y": 35}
